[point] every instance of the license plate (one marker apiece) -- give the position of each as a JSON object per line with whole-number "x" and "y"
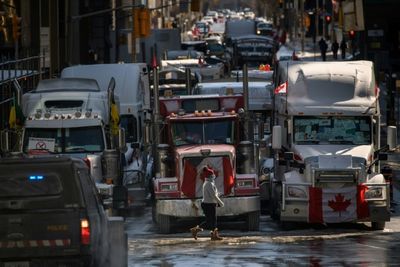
{"x": 17, "y": 264}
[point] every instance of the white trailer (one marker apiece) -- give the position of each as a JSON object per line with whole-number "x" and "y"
{"x": 327, "y": 144}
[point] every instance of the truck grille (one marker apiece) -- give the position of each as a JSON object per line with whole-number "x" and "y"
{"x": 324, "y": 178}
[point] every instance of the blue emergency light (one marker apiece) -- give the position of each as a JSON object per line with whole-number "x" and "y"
{"x": 35, "y": 177}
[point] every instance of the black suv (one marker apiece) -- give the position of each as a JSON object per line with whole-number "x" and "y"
{"x": 51, "y": 214}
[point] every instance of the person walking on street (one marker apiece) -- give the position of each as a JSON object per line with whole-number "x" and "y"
{"x": 343, "y": 47}
{"x": 335, "y": 48}
{"x": 323, "y": 46}
{"x": 209, "y": 204}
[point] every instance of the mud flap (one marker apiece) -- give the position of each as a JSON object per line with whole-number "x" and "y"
{"x": 120, "y": 197}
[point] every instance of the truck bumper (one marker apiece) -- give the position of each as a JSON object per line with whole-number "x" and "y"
{"x": 298, "y": 212}
{"x": 192, "y": 207}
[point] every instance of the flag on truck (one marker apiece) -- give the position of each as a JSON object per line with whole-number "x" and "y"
{"x": 345, "y": 204}
{"x": 281, "y": 89}
{"x": 16, "y": 118}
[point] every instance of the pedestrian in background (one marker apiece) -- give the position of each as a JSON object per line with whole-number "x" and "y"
{"x": 343, "y": 47}
{"x": 323, "y": 46}
{"x": 335, "y": 48}
{"x": 209, "y": 204}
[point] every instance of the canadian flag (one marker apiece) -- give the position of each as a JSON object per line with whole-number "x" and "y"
{"x": 193, "y": 177}
{"x": 346, "y": 204}
{"x": 281, "y": 89}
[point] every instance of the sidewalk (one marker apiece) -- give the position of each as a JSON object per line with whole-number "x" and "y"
{"x": 311, "y": 50}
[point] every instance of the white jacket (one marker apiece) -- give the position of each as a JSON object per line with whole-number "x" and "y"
{"x": 210, "y": 192}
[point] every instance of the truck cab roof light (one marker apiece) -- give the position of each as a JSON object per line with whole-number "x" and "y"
{"x": 181, "y": 112}
{"x": 168, "y": 93}
{"x": 229, "y": 91}
{"x": 205, "y": 152}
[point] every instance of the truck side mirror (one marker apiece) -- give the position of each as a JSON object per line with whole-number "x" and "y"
{"x": 111, "y": 84}
{"x": 392, "y": 137}
{"x": 277, "y": 137}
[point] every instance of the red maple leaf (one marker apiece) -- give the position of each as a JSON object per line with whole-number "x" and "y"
{"x": 340, "y": 204}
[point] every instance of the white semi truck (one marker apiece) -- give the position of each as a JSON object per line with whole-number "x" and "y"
{"x": 74, "y": 117}
{"x": 132, "y": 89}
{"x": 327, "y": 145}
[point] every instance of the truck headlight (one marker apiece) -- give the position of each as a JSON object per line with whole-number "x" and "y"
{"x": 374, "y": 192}
{"x": 245, "y": 183}
{"x": 168, "y": 187}
{"x": 296, "y": 192}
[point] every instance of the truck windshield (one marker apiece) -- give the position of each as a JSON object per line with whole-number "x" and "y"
{"x": 332, "y": 130}
{"x": 203, "y": 132}
{"x": 65, "y": 140}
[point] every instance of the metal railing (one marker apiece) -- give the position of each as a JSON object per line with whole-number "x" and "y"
{"x": 27, "y": 72}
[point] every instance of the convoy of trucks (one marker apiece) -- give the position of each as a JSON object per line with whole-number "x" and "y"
{"x": 327, "y": 145}
{"x": 141, "y": 146}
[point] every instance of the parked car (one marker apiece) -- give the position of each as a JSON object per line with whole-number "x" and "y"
{"x": 51, "y": 214}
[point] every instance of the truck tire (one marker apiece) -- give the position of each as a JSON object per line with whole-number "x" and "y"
{"x": 378, "y": 225}
{"x": 164, "y": 224}
{"x": 253, "y": 221}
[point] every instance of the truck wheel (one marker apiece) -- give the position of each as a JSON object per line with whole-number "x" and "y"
{"x": 378, "y": 225}
{"x": 164, "y": 224}
{"x": 253, "y": 221}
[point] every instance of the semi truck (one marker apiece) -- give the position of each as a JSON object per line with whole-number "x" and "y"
{"x": 194, "y": 131}
{"x": 327, "y": 146}
{"x": 74, "y": 117}
{"x": 132, "y": 89}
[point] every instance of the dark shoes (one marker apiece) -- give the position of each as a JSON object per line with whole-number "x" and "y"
{"x": 195, "y": 230}
{"x": 215, "y": 235}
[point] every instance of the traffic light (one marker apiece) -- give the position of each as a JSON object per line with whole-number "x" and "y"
{"x": 16, "y": 27}
{"x": 328, "y": 19}
{"x": 141, "y": 22}
{"x": 144, "y": 22}
{"x": 352, "y": 34}
{"x": 195, "y": 6}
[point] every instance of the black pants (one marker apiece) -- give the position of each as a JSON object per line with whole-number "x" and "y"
{"x": 210, "y": 211}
